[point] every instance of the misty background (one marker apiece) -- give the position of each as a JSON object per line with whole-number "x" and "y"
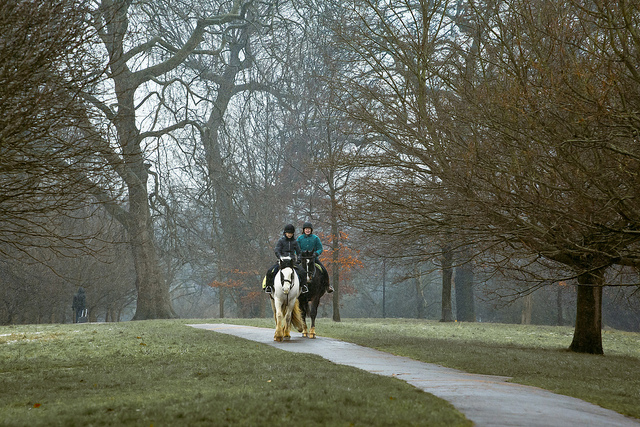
{"x": 469, "y": 161}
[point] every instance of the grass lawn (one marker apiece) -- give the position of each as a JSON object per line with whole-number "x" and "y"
{"x": 164, "y": 373}
{"x": 530, "y": 354}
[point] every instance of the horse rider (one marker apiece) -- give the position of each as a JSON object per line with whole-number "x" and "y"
{"x": 310, "y": 242}
{"x": 286, "y": 246}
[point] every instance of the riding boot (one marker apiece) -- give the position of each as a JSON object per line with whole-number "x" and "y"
{"x": 269, "y": 288}
{"x": 302, "y": 278}
{"x": 267, "y": 283}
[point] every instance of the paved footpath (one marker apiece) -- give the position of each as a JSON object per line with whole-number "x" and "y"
{"x": 486, "y": 400}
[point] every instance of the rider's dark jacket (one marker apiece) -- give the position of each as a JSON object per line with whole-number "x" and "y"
{"x": 288, "y": 247}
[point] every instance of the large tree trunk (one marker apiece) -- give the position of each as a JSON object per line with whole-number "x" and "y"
{"x": 560, "y": 320}
{"x": 527, "y": 309}
{"x": 221, "y": 301}
{"x": 228, "y": 217}
{"x": 587, "y": 336}
{"x": 447, "y": 274}
{"x": 465, "y": 305}
{"x": 111, "y": 20}
{"x": 335, "y": 264}
{"x": 154, "y": 301}
{"x": 419, "y": 292}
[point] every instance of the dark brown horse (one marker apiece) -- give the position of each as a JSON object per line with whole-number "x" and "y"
{"x": 317, "y": 282}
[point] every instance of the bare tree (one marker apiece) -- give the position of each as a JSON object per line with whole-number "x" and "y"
{"x": 539, "y": 171}
{"x": 44, "y": 64}
{"x": 138, "y": 62}
{"x": 237, "y": 103}
{"x": 520, "y": 139}
{"x": 38, "y": 283}
{"x": 322, "y": 132}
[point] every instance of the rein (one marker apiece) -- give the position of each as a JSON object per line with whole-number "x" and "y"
{"x": 283, "y": 280}
{"x": 309, "y": 267}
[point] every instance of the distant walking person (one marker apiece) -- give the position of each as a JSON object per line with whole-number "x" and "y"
{"x": 79, "y": 305}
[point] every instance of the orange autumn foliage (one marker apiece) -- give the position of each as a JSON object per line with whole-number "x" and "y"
{"x": 347, "y": 258}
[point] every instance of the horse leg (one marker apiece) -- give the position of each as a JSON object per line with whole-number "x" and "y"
{"x": 273, "y": 310}
{"x": 314, "y": 313}
{"x": 287, "y": 332}
{"x": 279, "y": 324}
{"x": 277, "y": 336}
{"x": 305, "y": 310}
{"x": 287, "y": 325}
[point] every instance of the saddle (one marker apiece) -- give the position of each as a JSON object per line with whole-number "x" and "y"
{"x": 318, "y": 269}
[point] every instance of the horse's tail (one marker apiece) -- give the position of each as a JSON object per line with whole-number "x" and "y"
{"x": 296, "y": 317}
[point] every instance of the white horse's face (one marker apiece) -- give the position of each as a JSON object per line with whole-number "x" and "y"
{"x": 287, "y": 280}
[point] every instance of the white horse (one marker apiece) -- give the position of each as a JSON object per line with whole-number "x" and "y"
{"x": 284, "y": 300}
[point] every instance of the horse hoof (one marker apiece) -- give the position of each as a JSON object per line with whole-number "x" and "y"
{"x": 304, "y": 335}
{"x": 287, "y": 338}
{"x": 312, "y": 335}
{"x": 279, "y": 339}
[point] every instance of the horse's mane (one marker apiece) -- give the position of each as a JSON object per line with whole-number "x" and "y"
{"x": 285, "y": 262}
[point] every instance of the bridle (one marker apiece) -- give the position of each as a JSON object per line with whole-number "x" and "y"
{"x": 289, "y": 280}
{"x": 309, "y": 267}
{"x": 286, "y": 262}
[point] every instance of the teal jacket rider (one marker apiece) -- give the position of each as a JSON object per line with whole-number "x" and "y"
{"x": 310, "y": 243}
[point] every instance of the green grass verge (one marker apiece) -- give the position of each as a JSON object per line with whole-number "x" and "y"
{"x": 163, "y": 373}
{"x": 530, "y": 354}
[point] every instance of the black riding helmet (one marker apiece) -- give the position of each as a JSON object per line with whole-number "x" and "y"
{"x": 307, "y": 225}
{"x": 289, "y": 228}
